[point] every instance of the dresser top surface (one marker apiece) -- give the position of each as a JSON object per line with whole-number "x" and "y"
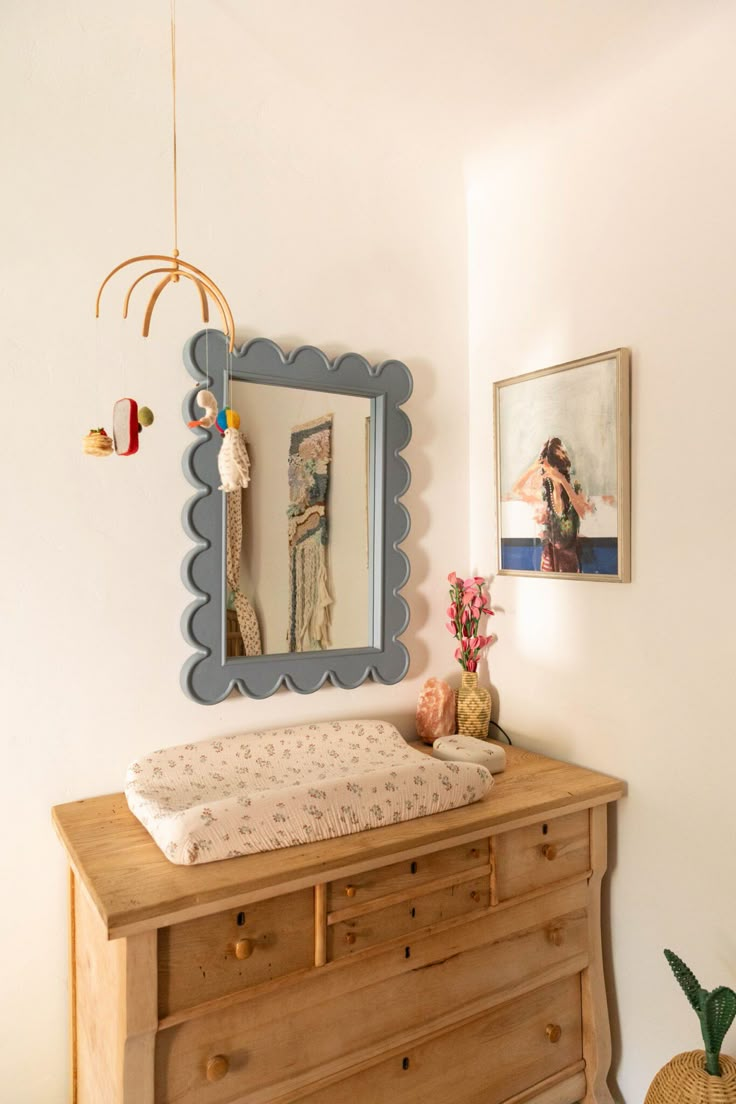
{"x": 135, "y": 888}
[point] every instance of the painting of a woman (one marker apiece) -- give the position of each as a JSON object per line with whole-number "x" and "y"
{"x": 548, "y": 484}
{"x": 562, "y": 470}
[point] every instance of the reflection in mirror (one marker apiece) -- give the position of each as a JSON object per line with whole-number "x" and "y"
{"x": 299, "y": 536}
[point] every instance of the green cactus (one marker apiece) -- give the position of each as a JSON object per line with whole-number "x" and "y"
{"x": 716, "y": 1010}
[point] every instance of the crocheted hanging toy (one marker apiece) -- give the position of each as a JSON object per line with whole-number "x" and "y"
{"x": 128, "y": 422}
{"x": 97, "y": 443}
{"x": 233, "y": 462}
{"x": 207, "y": 400}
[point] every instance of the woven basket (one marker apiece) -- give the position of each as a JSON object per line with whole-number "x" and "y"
{"x": 685, "y": 1080}
{"x": 473, "y": 707}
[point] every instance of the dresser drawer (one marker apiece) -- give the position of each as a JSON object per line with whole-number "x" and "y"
{"x": 407, "y": 917}
{"x": 283, "y": 1036}
{"x": 485, "y": 1061}
{"x": 405, "y": 876}
{"x": 202, "y": 959}
{"x": 540, "y": 855}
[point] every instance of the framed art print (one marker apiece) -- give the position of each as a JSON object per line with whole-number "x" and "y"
{"x": 562, "y": 470}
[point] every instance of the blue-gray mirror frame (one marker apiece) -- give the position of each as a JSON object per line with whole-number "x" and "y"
{"x": 208, "y": 676}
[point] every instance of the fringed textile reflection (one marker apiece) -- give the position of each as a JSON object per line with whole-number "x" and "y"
{"x": 309, "y": 595}
{"x": 247, "y": 620}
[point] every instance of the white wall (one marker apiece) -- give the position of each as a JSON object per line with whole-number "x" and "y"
{"x": 321, "y": 198}
{"x": 323, "y": 226}
{"x": 268, "y": 416}
{"x": 613, "y": 224}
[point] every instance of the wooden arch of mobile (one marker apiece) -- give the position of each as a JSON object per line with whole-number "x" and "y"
{"x": 174, "y": 268}
{"x": 171, "y": 275}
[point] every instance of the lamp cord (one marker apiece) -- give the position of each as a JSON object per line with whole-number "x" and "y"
{"x": 497, "y": 725}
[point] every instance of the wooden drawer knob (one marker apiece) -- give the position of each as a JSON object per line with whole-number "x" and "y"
{"x": 553, "y": 1032}
{"x": 350, "y": 938}
{"x": 217, "y": 1067}
{"x": 350, "y": 891}
{"x": 549, "y": 851}
{"x": 243, "y": 949}
{"x": 555, "y": 935}
{"x": 475, "y": 895}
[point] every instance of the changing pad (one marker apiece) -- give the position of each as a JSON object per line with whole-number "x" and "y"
{"x": 237, "y": 795}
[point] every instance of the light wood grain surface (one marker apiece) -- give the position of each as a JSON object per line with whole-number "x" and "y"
{"x": 199, "y": 959}
{"x": 485, "y": 1061}
{"x": 135, "y": 888}
{"x": 408, "y": 876}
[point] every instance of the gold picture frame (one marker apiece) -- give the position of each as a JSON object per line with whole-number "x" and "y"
{"x": 563, "y": 470}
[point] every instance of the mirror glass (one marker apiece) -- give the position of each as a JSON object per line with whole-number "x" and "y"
{"x": 299, "y": 535}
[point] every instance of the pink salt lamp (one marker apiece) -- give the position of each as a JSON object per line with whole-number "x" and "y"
{"x": 435, "y": 711}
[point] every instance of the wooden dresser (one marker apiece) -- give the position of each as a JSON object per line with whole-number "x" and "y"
{"x": 454, "y": 959}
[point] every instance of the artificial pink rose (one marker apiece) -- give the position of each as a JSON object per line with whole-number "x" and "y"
{"x": 471, "y": 665}
{"x": 457, "y": 653}
{"x": 452, "y": 578}
{"x": 450, "y": 627}
{"x": 478, "y": 579}
{"x": 477, "y": 602}
{"x": 452, "y": 610}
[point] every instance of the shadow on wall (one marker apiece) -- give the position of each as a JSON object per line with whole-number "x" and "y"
{"x": 422, "y": 475}
{"x": 608, "y": 971}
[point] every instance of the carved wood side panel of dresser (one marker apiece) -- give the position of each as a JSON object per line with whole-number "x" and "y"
{"x": 467, "y": 971}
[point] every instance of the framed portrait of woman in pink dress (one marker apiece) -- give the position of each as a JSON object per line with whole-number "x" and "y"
{"x": 562, "y": 438}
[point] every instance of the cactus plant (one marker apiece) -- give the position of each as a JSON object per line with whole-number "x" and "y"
{"x": 716, "y": 1010}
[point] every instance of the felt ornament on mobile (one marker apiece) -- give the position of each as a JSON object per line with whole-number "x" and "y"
{"x": 233, "y": 462}
{"x": 128, "y": 422}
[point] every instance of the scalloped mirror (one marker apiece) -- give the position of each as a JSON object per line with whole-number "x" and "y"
{"x": 297, "y": 577}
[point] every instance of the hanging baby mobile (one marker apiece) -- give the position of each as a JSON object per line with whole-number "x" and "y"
{"x": 128, "y": 418}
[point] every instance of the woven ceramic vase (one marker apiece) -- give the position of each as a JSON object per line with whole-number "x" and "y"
{"x": 473, "y": 707}
{"x": 685, "y": 1080}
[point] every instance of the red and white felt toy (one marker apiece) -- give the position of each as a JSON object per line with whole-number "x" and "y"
{"x": 128, "y": 420}
{"x": 125, "y": 428}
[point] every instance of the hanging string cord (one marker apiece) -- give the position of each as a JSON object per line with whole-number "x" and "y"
{"x": 173, "y": 117}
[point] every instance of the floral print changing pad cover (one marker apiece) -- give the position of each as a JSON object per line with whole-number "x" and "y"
{"x": 236, "y": 795}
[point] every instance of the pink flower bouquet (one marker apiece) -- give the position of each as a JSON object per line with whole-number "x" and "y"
{"x": 469, "y": 602}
